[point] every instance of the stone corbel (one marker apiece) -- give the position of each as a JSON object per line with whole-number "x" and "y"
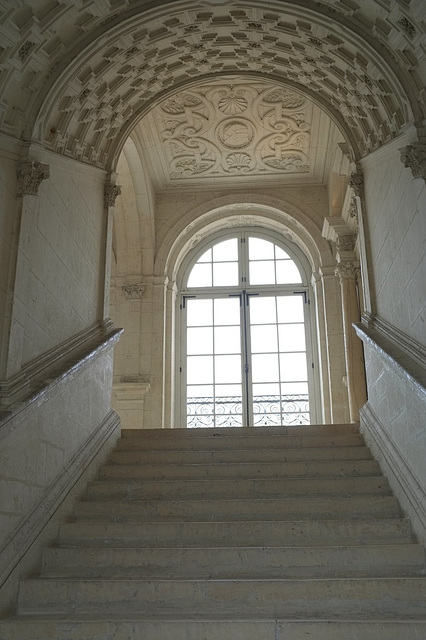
{"x": 110, "y": 194}
{"x": 133, "y": 291}
{"x": 30, "y": 175}
{"x": 413, "y": 156}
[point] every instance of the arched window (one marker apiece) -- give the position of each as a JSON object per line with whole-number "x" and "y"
{"x": 246, "y": 355}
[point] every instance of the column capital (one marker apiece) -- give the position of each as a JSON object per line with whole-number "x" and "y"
{"x": 30, "y": 175}
{"x": 111, "y": 192}
{"x": 347, "y": 270}
{"x": 133, "y": 291}
{"x": 413, "y": 156}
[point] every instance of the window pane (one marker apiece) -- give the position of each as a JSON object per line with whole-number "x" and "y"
{"x": 199, "y": 313}
{"x": 200, "y": 391}
{"x": 290, "y": 308}
{"x": 227, "y": 369}
{"x": 227, "y": 340}
{"x": 292, "y": 337}
{"x": 199, "y": 341}
{"x": 265, "y": 368}
{"x": 226, "y": 251}
{"x": 280, "y": 254}
{"x": 264, "y": 338}
{"x": 293, "y": 367}
{"x": 200, "y": 276}
{"x": 271, "y": 389}
{"x": 228, "y": 390}
{"x": 262, "y": 310}
{"x": 262, "y": 272}
{"x": 225, "y": 274}
{"x": 294, "y": 388}
{"x": 227, "y": 311}
{"x": 199, "y": 369}
{"x": 206, "y": 257}
{"x": 260, "y": 249}
{"x": 287, "y": 272}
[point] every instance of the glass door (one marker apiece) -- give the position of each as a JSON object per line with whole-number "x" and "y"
{"x": 245, "y": 350}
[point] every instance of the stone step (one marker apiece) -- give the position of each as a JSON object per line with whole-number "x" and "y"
{"x": 245, "y": 432}
{"x": 240, "y": 455}
{"x": 325, "y": 468}
{"x": 299, "y": 508}
{"x": 306, "y": 598}
{"x": 218, "y": 442}
{"x": 106, "y": 627}
{"x": 140, "y": 489}
{"x": 235, "y": 562}
{"x": 244, "y": 533}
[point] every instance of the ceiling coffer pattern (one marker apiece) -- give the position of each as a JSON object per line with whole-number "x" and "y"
{"x": 234, "y": 130}
{"x": 114, "y": 59}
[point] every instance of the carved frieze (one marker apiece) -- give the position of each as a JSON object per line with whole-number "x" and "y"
{"x": 30, "y": 175}
{"x": 413, "y": 156}
{"x": 346, "y": 242}
{"x": 133, "y": 291}
{"x": 356, "y": 183}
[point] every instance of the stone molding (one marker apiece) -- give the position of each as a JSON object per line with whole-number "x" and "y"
{"x": 413, "y": 156}
{"x": 404, "y": 484}
{"x": 30, "y": 174}
{"x": 111, "y": 192}
{"x": 39, "y": 378}
{"x": 133, "y": 291}
{"x": 347, "y": 270}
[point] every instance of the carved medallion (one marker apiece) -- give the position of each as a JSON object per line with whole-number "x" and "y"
{"x": 236, "y": 133}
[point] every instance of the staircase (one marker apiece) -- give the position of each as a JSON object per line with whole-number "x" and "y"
{"x": 284, "y": 533}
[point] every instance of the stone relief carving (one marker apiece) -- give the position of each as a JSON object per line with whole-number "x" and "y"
{"x": 356, "y": 182}
{"x": 133, "y": 291}
{"x": 30, "y": 176}
{"x": 346, "y": 242}
{"x": 353, "y": 209}
{"x": 347, "y": 270}
{"x": 110, "y": 194}
{"x": 267, "y": 130}
{"x": 413, "y": 156}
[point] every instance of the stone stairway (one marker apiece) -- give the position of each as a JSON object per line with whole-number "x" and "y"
{"x": 259, "y": 534}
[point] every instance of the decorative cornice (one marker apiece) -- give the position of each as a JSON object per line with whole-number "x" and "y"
{"x": 133, "y": 291}
{"x": 110, "y": 194}
{"x": 30, "y": 175}
{"x": 347, "y": 270}
{"x": 356, "y": 183}
{"x": 413, "y": 156}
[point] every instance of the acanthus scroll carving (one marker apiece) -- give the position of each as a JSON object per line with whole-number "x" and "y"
{"x": 356, "y": 182}
{"x": 112, "y": 191}
{"x": 346, "y": 243}
{"x": 347, "y": 270}
{"x": 413, "y": 156}
{"x": 30, "y": 175}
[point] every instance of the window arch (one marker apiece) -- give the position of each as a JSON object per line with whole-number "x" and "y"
{"x": 246, "y": 355}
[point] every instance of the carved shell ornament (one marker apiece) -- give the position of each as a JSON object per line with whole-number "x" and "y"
{"x": 239, "y": 163}
{"x": 232, "y": 103}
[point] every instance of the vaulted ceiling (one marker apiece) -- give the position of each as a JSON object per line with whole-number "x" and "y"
{"x": 77, "y": 76}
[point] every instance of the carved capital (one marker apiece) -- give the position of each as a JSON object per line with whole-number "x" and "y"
{"x": 356, "y": 182}
{"x": 346, "y": 242}
{"x": 133, "y": 291}
{"x": 413, "y": 156}
{"x": 30, "y": 176}
{"x": 347, "y": 271}
{"x": 110, "y": 194}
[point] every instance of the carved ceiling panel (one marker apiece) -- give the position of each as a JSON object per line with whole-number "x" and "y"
{"x": 231, "y": 130}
